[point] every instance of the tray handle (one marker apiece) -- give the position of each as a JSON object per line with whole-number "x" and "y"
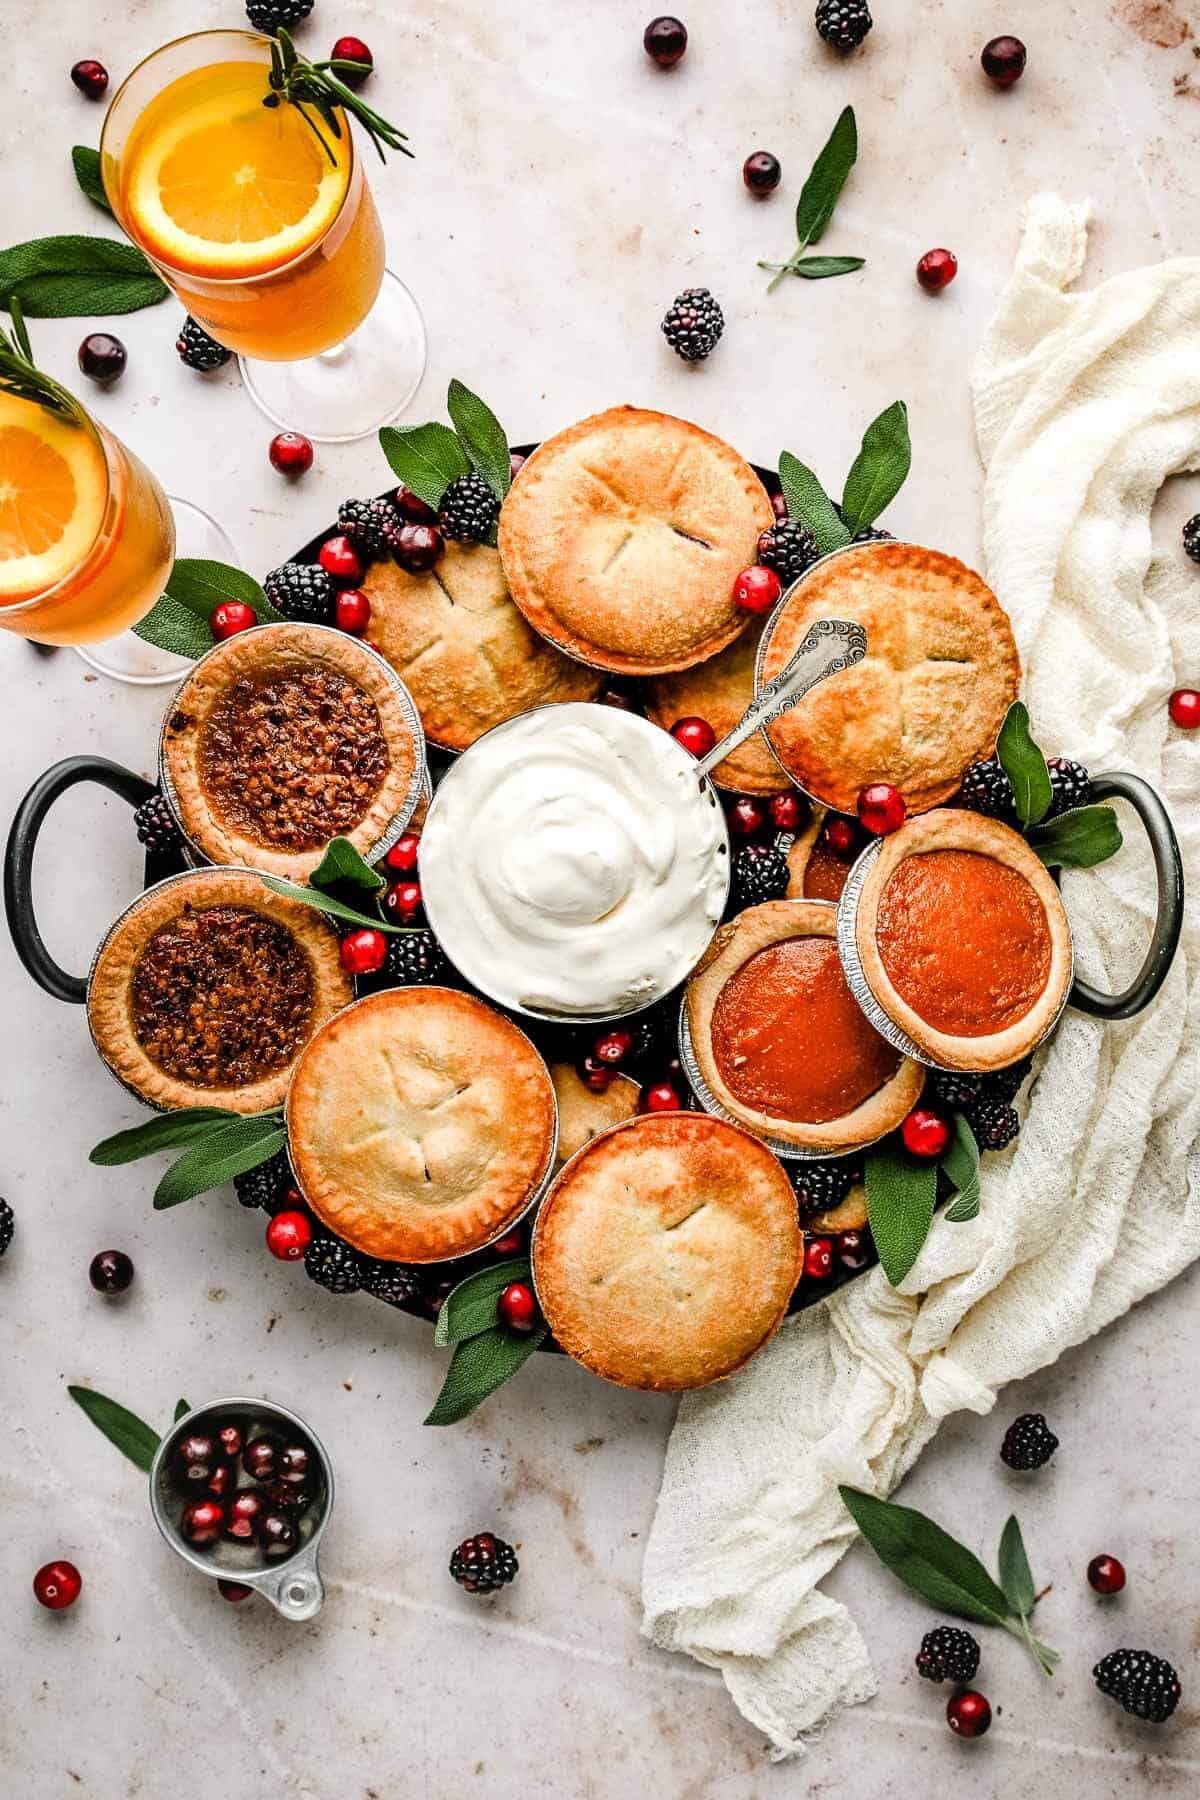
{"x": 1168, "y": 868}
{"x": 18, "y": 861}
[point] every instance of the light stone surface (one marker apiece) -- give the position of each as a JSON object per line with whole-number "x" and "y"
{"x": 564, "y": 191}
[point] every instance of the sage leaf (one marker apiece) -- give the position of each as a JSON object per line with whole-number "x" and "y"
{"x": 175, "y": 628}
{"x": 823, "y": 268}
{"x": 1078, "y": 839}
{"x": 131, "y": 1435}
{"x": 478, "y": 1367}
{"x": 342, "y": 862}
{"x": 927, "y": 1559}
{"x": 1024, "y": 765}
{"x": 879, "y": 470}
{"x": 1016, "y": 1577}
{"x": 326, "y": 903}
{"x": 808, "y": 502}
{"x": 900, "y": 1201}
{"x": 178, "y": 620}
{"x": 481, "y": 436}
{"x": 86, "y": 162}
{"x": 961, "y": 1164}
{"x": 826, "y": 179}
{"x": 427, "y": 458}
{"x": 165, "y": 1132}
{"x": 77, "y": 276}
{"x": 182, "y": 1409}
{"x": 471, "y": 1307}
{"x": 246, "y": 1141}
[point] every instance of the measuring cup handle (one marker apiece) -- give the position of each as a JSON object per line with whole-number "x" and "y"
{"x": 18, "y": 861}
{"x": 1164, "y": 847}
{"x": 295, "y": 1590}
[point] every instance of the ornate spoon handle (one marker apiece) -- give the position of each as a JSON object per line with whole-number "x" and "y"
{"x": 831, "y": 646}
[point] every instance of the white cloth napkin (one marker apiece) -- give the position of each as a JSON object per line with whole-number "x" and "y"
{"x": 1085, "y": 403}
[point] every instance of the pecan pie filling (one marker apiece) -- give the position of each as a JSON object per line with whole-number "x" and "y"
{"x": 293, "y": 757}
{"x": 222, "y": 997}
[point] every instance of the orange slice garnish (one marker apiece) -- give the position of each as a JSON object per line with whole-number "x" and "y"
{"x": 53, "y": 488}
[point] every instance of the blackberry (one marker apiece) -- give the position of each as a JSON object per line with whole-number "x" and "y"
{"x": 198, "y": 350}
{"x": 483, "y": 1563}
{"x": 301, "y": 591}
{"x": 954, "y": 1090}
{"x": 269, "y": 15}
{"x": 873, "y": 534}
{"x": 266, "y": 1185}
{"x": 986, "y": 789}
{"x": 155, "y": 825}
{"x": 694, "y": 324}
{"x": 394, "y": 1282}
{"x": 1191, "y": 537}
{"x": 759, "y": 873}
{"x": 333, "y": 1265}
{"x": 948, "y": 1654}
{"x": 7, "y": 1224}
{"x": 1070, "y": 785}
{"x": 469, "y": 509}
{"x": 654, "y": 1036}
{"x": 1144, "y": 1685}
{"x": 789, "y": 548}
{"x": 1004, "y": 1085}
{"x": 415, "y": 959}
{"x": 843, "y": 23}
{"x": 820, "y": 1186}
{"x": 364, "y": 522}
{"x": 994, "y": 1123}
{"x": 1028, "y": 1443}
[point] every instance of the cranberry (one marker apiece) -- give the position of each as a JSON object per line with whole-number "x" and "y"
{"x": 57, "y": 1585}
{"x": 1106, "y": 1574}
{"x": 222, "y": 1481}
{"x": 196, "y": 1456}
{"x": 661, "y": 1097}
{"x": 402, "y": 902}
{"x": 277, "y": 1535}
{"x": 90, "y": 77}
{"x": 516, "y": 1308}
{"x": 761, "y": 172}
{"x": 288, "y": 1236}
{"x": 110, "y": 1272}
{"x": 232, "y": 616}
{"x": 838, "y": 833}
{"x": 1184, "y": 707}
{"x": 291, "y": 1497}
{"x": 665, "y": 40}
{"x": 338, "y": 557}
{"x": 968, "y": 1714}
{"x": 352, "y": 49}
{"x": 202, "y": 1523}
{"x": 1003, "y": 60}
{"x": 352, "y": 611}
{"x": 364, "y": 952}
{"x": 746, "y": 816}
{"x": 853, "y": 1250}
{"x": 243, "y": 1514}
{"x": 295, "y": 1464}
{"x": 260, "y": 1458}
{"x": 595, "y": 1074}
{"x": 925, "y": 1133}
{"x": 613, "y": 1047}
{"x": 785, "y": 811}
{"x": 881, "y": 808}
{"x": 756, "y": 590}
{"x": 516, "y": 462}
{"x": 511, "y": 1244}
{"x": 401, "y": 859}
{"x": 233, "y": 1590}
{"x": 418, "y": 548}
{"x": 102, "y": 357}
{"x": 818, "y": 1258}
{"x": 779, "y": 506}
{"x": 936, "y": 270}
{"x": 230, "y": 1439}
{"x": 696, "y": 735}
{"x": 410, "y": 506}
{"x": 290, "y": 453}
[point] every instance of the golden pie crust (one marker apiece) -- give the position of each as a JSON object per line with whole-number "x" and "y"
{"x": 815, "y": 872}
{"x": 719, "y": 691}
{"x": 952, "y": 829}
{"x": 420, "y": 1124}
{"x": 584, "y": 1114}
{"x": 757, "y": 929}
{"x": 622, "y": 538}
{"x": 463, "y": 650}
{"x": 253, "y": 655}
{"x": 929, "y": 697}
{"x": 110, "y": 989}
{"x": 849, "y": 1214}
{"x": 667, "y": 1250}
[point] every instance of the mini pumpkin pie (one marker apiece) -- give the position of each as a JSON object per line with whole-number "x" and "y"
{"x": 961, "y": 939}
{"x": 583, "y": 1113}
{"x": 466, "y": 654}
{"x": 780, "y": 1040}
{"x": 208, "y": 987}
{"x": 623, "y": 537}
{"x": 284, "y": 737}
{"x": 719, "y": 691}
{"x": 929, "y": 697}
{"x": 421, "y": 1124}
{"x": 815, "y": 872}
{"x": 666, "y": 1252}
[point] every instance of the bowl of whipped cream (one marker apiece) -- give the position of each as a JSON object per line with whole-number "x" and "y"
{"x": 574, "y": 865}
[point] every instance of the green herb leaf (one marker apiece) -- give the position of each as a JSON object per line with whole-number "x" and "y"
{"x": 900, "y": 1201}
{"x": 822, "y": 268}
{"x": 1016, "y": 1577}
{"x": 961, "y": 1165}
{"x": 131, "y": 1435}
{"x": 1024, "y": 765}
{"x": 182, "y": 1408}
{"x": 826, "y": 179}
{"x": 427, "y": 458}
{"x": 87, "y": 174}
{"x": 342, "y": 863}
{"x": 165, "y": 1132}
{"x": 478, "y": 1367}
{"x": 172, "y": 627}
{"x": 879, "y": 470}
{"x": 178, "y": 621}
{"x": 245, "y": 1142}
{"x": 482, "y": 437}
{"x": 75, "y": 276}
{"x": 808, "y": 502}
{"x": 1078, "y": 839}
{"x": 322, "y": 902}
{"x": 927, "y": 1559}
{"x": 471, "y": 1307}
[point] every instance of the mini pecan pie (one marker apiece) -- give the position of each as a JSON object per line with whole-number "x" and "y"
{"x": 719, "y": 691}
{"x": 961, "y": 939}
{"x": 666, "y": 1251}
{"x": 928, "y": 698}
{"x": 209, "y": 986}
{"x": 623, "y": 536}
{"x": 466, "y": 654}
{"x": 420, "y": 1124}
{"x": 780, "y": 1040}
{"x": 583, "y": 1113}
{"x": 284, "y": 737}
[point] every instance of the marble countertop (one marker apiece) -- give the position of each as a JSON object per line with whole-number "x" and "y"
{"x": 564, "y": 191}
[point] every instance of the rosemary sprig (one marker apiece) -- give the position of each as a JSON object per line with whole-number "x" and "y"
{"x": 314, "y": 88}
{"x": 20, "y": 375}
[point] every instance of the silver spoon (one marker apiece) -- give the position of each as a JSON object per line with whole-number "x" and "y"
{"x": 831, "y": 646}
